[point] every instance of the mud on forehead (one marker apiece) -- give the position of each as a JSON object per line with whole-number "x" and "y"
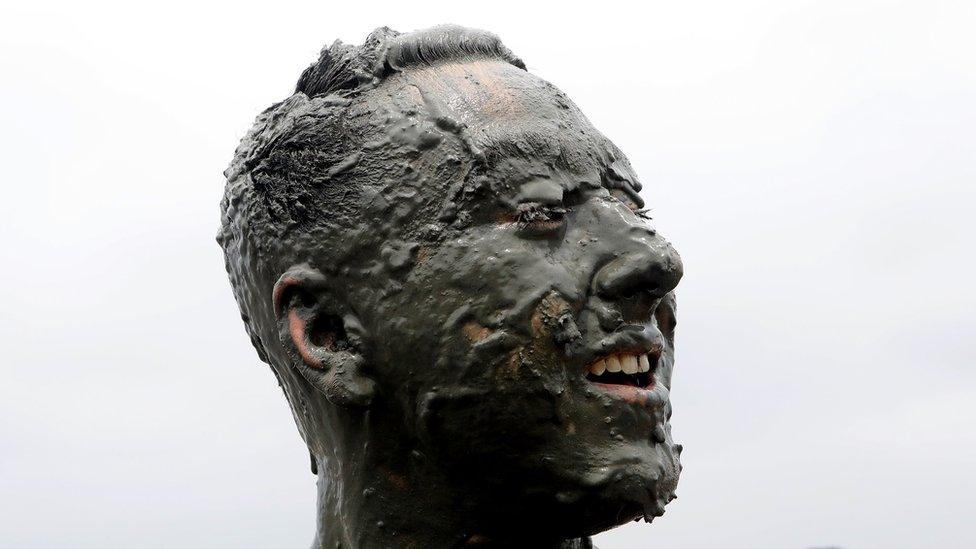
{"x": 505, "y": 117}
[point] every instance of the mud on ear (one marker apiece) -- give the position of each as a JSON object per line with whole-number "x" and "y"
{"x": 322, "y": 337}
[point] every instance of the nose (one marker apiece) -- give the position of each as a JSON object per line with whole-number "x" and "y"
{"x": 651, "y": 266}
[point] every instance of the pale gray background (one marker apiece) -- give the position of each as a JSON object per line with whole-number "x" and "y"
{"x": 814, "y": 163}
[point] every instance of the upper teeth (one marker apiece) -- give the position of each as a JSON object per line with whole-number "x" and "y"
{"x": 628, "y": 364}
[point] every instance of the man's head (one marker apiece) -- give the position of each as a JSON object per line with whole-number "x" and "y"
{"x": 442, "y": 260}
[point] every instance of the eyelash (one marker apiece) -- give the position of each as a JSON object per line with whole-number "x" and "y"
{"x": 527, "y": 214}
{"x": 537, "y": 213}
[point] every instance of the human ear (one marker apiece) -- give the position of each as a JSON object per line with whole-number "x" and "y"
{"x": 322, "y": 337}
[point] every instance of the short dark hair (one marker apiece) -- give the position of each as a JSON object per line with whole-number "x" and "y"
{"x": 345, "y": 67}
{"x": 296, "y": 175}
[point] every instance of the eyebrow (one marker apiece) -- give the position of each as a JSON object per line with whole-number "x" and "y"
{"x": 520, "y": 141}
{"x": 613, "y": 173}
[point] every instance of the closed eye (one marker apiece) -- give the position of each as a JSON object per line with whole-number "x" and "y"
{"x": 533, "y": 212}
{"x": 628, "y": 201}
{"x": 537, "y": 219}
{"x": 644, "y": 213}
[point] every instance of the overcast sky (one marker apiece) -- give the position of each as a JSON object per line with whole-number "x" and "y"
{"x": 813, "y": 162}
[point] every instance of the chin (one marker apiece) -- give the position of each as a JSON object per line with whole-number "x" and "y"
{"x": 539, "y": 475}
{"x": 587, "y": 512}
{"x": 566, "y": 500}
{"x": 607, "y": 497}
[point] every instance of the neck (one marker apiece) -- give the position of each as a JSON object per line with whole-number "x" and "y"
{"x": 364, "y": 504}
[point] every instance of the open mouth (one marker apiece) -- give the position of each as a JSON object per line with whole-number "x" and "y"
{"x": 623, "y": 369}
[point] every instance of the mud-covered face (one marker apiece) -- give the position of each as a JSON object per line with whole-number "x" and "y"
{"x": 529, "y": 351}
